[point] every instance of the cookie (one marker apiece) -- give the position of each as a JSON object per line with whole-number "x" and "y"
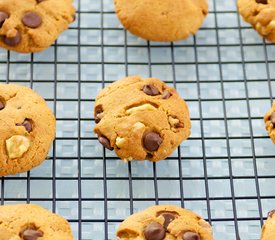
{"x": 268, "y": 229}
{"x": 33, "y": 25}
{"x": 162, "y": 20}
{"x": 27, "y": 128}
{"x": 261, "y": 15}
{"x": 165, "y": 222}
{"x": 141, "y": 119}
{"x": 269, "y": 120}
{"x": 32, "y": 222}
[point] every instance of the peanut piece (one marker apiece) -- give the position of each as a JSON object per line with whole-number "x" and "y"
{"x": 143, "y": 107}
{"x": 16, "y": 146}
{"x": 120, "y": 142}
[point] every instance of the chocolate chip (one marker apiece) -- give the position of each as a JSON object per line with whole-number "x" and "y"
{"x": 98, "y": 115}
{"x": 166, "y": 94}
{"x": 168, "y": 218}
{"x": 152, "y": 141}
{"x": 190, "y": 236}
{"x": 39, "y": 1}
{"x": 3, "y": 17}
{"x": 150, "y": 90}
{"x": 272, "y": 118}
{"x": 31, "y": 234}
{"x": 27, "y": 124}
{"x": 154, "y": 231}
{"x": 270, "y": 214}
{"x": 105, "y": 142}
{"x": 13, "y": 41}
{"x": 262, "y": 1}
{"x": 2, "y": 105}
{"x": 32, "y": 20}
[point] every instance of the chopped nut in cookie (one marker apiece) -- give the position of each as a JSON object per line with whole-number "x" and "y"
{"x": 143, "y": 107}
{"x": 166, "y": 94}
{"x": 120, "y": 142}
{"x": 16, "y": 146}
{"x": 174, "y": 122}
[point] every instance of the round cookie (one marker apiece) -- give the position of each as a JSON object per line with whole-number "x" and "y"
{"x": 261, "y": 15}
{"x": 27, "y": 127}
{"x": 269, "y": 120}
{"x": 162, "y": 20}
{"x": 141, "y": 119}
{"x": 32, "y": 222}
{"x": 33, "y": 25}
{"x": 165, "y": 222}
{"x": 268, "y": 229}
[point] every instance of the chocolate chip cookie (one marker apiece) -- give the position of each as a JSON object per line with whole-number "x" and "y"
{"x": 165, "y": 222}
{"x": 33, "y": 25}
{"x": 261, "y": 15}
{"x": 32, "y": 222}
{"x": 269, "y": 120}
{"x": 141, "y": 119}
{"x": 27, "y": 128}
{"x": 162, "y": 20}
{"x": 268, "y": 229}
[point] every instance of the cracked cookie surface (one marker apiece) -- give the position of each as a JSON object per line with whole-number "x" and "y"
{"x": 162, "y": 20}
{"x": 32, "y": 222}
{"x": 261, "y": 15}
{"x": 269, "y": 120}
{"x": 141, "y": 119}
{"x": 27, "y": 128}
{"x": 33, "y": 25}
{"x": 165, "y": 222}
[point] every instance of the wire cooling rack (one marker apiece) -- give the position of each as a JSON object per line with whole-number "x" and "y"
{"x": 225, "y": 171}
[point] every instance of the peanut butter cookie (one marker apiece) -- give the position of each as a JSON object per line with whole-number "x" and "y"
{"x": 33, "y": 25}
{"x": 261, "y": 15}
{"x": 165, "y": 222}
{"x": 162, "y": 20}
{"x": 27, "y": 128}
{"x": 141, "y": 119}
{"x": 32, "y": 222}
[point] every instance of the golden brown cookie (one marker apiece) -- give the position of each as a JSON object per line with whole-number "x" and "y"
{"x": 165, "y": 222}
{"x": 33, "y": 25}
{"x": 32, "y": 222}
{"x": 141, "y": 119}
{"x": 162, "y": 20}
{"x": 27, "y": 128}
{"x": 268, "y": 229}
{"x": 269, "y": 120}
{"x": 261, "y": 15}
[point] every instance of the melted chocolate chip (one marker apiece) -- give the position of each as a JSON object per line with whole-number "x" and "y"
{"x": 168, "y": 218}
{"x": 13, "y": 41}
{"x": 3, "y": 17}
{"x": 190, "y": 236}
{"x": 105, "y": 142}
{"x": 154, "y": 231}
{"x": 31, "y": 234}
{"x": 152, "y": 141}
{"x": 2, "y": 105}
{"x": 27, "y": 124}
{"x": 150, "y": 90}
{"x": 262, "y": 1}
{"x": 270, "y": 214}
{"x": 272, "y": 118}
{"x": 166, "y": 94}
{"x": 32, "y": 20}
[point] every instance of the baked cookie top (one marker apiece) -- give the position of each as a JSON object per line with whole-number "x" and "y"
{"x": 269, "y": 120}
{"x": 165, "y": 222}
{"x": 27, "y": 128}
{"x": 162, "y": 20}
{"x": 261, "y": 15}
{"x": 268, "y": 229}
{"x": 141, "y": 118}
{"x": 32, "y": 222}
{"x": 33, "y": 25}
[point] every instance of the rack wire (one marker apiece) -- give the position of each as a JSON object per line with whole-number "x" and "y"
{"x": 225, "y": 171}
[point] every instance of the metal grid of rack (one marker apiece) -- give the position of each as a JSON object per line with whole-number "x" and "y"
{"x": 225, "y": 171}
